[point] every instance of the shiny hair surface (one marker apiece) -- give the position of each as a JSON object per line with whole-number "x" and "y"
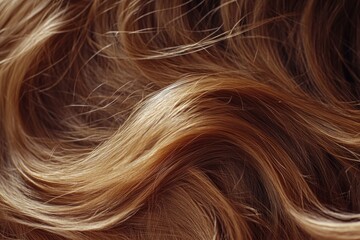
{"x": 209, "y": 119}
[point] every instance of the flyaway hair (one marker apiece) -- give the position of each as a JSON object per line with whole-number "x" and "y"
{"x": 195, "y": 119}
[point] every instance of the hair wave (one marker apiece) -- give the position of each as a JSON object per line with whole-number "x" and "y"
{"x": 179, "y": 119}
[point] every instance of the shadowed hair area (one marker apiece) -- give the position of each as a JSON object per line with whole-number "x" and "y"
{"x": 181, "y": 119}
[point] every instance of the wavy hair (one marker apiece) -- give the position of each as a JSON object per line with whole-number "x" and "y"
{"x": 216, "y": 119}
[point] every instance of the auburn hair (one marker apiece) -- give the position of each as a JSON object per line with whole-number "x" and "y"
{"x": 195, "y": 119}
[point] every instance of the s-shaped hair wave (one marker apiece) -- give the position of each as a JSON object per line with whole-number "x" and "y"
{"x": 216, "y": 119}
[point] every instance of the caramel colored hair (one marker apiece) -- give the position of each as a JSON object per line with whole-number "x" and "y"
{"x": 216, "y": 119}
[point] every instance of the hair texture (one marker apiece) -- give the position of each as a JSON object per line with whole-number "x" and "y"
{"x": 195, "y": 119}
